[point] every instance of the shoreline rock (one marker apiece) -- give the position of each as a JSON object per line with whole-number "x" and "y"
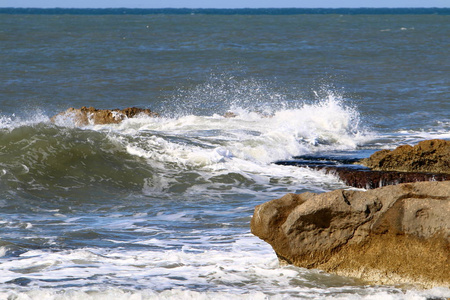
{"x": 368, "y": 179}
{"x": 90, "y": 115}
{"x": 429, "y": 156}
{"x": 398, "y": 234}
{"x": 427, "y": 161}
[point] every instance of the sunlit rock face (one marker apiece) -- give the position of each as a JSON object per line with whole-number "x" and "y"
{"x": 397, "y": 234}
{"x": 431, "y": 156}
{"x": 89, "y": 115}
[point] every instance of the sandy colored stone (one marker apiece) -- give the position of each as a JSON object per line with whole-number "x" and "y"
{"x": 89, "y": 115}
{"x": 431, "y": 156}
{"x": 391, "y": 235}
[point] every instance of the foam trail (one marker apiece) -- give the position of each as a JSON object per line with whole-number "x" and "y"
{"x": 197, "y": 270}
{"x": 328, "y": 124}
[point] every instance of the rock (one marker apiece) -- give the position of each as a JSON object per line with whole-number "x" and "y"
{"x": 230, "y": 114}
{"x": 368, "y": 179}
{"x": 427, "y": 161}
{"x": 362, "y": 177}
{"x": 431, "y": 156}
{"x": 89, "y": 115}
{"x": 396, "y": 234}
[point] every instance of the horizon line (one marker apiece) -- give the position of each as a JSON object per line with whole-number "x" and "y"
{"x": 225, "y": 9}
{"x": 228, "y": 8}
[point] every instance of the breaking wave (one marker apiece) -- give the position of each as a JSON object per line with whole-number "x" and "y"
{"x": 165, "y": 153}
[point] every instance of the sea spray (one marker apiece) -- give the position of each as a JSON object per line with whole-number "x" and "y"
{"x": 224, "y": 93}
{"x": 27, "y": 118}
{"x": 257, "y": 137}
{"x": 139, "y": 153}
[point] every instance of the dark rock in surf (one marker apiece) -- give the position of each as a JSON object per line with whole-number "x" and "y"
{"x": 368, "y": 179}
{"x": 427, "y": 161}
{"x": 89, "y": 115}
{"x": 391, "y": 235}
{"x": 230, "y": 114}
{"x": 361, "y": 177}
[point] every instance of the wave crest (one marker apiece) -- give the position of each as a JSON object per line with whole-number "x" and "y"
{"x": 44, "y": 160}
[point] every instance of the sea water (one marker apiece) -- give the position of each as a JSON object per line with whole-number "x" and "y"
{"x": 160, "y": 208}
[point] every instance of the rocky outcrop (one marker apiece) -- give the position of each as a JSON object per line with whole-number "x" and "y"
{"x": 391, "y": 235}
{"x": 431, "y": 156}
{"x": 427, "y": 161}
{"x": 89, "y": 115}
{"x": 368, "y": 179}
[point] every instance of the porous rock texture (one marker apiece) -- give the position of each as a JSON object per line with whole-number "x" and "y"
{"x": 90, "y": 115}
{"x": 391, "y": 235}
{"x": 368, "y": 179}
{"x": 432, "y": 156}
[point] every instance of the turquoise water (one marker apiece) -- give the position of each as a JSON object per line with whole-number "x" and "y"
{"x": 160, "y": 207}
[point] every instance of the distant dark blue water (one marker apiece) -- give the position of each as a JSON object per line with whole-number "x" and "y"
{"x": 160, "y": 207}
{"x": 222, "y": 11}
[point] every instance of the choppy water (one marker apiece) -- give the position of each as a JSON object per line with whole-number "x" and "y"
{"x": 160, "y": 207}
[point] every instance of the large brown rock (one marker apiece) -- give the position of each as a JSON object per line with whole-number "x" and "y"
{"x": 431, "y": 156}
{"x": 391, "y": 235}
{"x": 89, "y": 115}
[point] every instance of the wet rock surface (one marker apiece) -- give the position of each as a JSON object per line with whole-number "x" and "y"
{"x": 396, "y": 232}
{"x": 391, "y": 235}
{"x": 368, "y": 179}
{"x": 362, "y": 177}
{"x": 427, "y": 161}
{"x": 90, "y": 115}
{"x": 430, "y": 156}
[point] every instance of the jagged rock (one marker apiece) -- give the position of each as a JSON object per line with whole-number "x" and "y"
{"x": 391, "y": 235}
{"x": 365, "y": 178}
{"x": 89, "y": 115}
{"x": 431, "y": 156}
{"x": 230, "y": 114}
{"x": 368, "y": 179}
{"x": 427, "y": 161}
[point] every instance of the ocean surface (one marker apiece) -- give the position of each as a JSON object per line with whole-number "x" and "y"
{"x": 160, "y": 208}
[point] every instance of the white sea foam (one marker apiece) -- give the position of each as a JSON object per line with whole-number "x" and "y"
{"x": 124, "y": 294}
{"x": 3, "y": 251}
{"x": 411, "y": 137}
{"x": 205, "y": 140}
{"x": 191, "y": 272}
{"x": 246, "y": 144}
{"x": 12, "y": 121}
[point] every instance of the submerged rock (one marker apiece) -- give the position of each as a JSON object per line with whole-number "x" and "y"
{"x": 391, "y": 235}
{"x": 431, "y": 156}
{"x": 89, "y": 115}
